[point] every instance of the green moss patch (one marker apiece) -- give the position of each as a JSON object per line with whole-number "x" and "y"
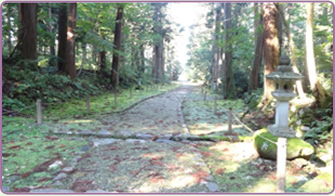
{"x": 28, "y": 151}
{"x": 296, "y": 147}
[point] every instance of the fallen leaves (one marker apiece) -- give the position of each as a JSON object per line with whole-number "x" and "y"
{"x": 43, "y": 179}
{"x": 51, "y": 137}
{"x": 20, "y": 190}
{"x": 50, "y": 147}
{"x": 7, "y": 154}
{"x": 220, "y": 171}
{"x": 172, "y": 167}
{"x": 155, "y": 177}
{"x": 14, "y": 147}
{"x": 200, "y": 175}
{"x": 82, "y": 185}
{"x": 206, "y": 154}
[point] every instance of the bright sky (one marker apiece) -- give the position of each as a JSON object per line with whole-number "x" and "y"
{"x": 185, "y": 14}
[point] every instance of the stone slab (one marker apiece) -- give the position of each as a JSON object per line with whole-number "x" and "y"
{"x": 51, "y": 191}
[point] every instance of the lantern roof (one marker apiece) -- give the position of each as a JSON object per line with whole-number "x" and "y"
{"x": 284, "y": 71}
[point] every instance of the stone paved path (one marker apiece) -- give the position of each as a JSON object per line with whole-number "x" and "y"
{"x": 146, "y": 150}
{"x": 157, "y": 116}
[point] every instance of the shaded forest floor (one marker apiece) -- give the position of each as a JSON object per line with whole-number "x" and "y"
{"x": 168, "y": 143}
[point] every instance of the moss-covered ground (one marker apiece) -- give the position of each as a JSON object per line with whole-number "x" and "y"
{"x": 29, "y": 149}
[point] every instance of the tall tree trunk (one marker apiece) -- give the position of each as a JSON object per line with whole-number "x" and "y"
{"x": 158, "y": 49}
{"x": 229, "y": 86}
{"x": 70, "y": 67}
{"x": 161, "y": 59}
{"x": 102, "y": 58}
{"x": 28, "y": 32}
{"x": 216, "y": 50}
{"x": 256, "y": 20}
{"x": 221, "y": 65}
{"x": 102, "y": 61}
{"x": 319, "y": 92}
{"x": 9, "y": 26}
{"x": 62, "y": 37}
{"x": 155, "y": 63}
{"x": 117, "y": 47}
{"x": 50, "y": 27}
{"x": 259, "y": 42}
{"x": 279, "y": 26}
{"x": 298, "y": 83}
{"x": 271, "y": 46}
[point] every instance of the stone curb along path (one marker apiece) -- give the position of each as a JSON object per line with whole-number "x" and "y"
{"x": 140, "y": 161}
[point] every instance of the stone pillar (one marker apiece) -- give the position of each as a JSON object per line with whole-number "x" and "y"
{"x": 282, "y": 110}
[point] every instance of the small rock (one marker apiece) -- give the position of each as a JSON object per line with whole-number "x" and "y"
{"x": 68, "y": 169}
{"x": 166, "y": 136}
{"x": 125, "y": 133}
{"x": 144, "y": 136}
{"x": 164, "y": 141}
{"x": 104, "y": 133}
{"x": 60, "y": 176}
{"x": 326, "y": 157}
{"x": 14, "y": 178}
{"x": 56, "y": 164}
{"x": 185, "y": 141}
{"x": 96, "y": 191}
{"x": 201, "y": 164}
{"x": 182, "y": 136}
{"x": 84, "y": 148}
{"x": 51, "y": 191}
{"x": 135, "y": 140}
{"x": 304, "y": 128}
{"x": 98, "y": 142}
{"x": 300, "y": 162}
{"x": 85, "y": 132}
{"x": 57, "y": 183}
{"x": 212, "y": 187}
{"x": 5, "y": 189}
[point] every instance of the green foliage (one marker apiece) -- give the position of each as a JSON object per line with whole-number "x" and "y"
{"x": 319, "y": 120}
{"x": 11, "y": 103}
{"x": 321, "y": 123}
{"x": 200, "y": 58}
{"x": 24, "y": 86}
{"x": 254, "y": 98}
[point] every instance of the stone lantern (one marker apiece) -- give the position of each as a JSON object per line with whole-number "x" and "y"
{"x": 284, "y": 79}
{"x": 214, "y": 85}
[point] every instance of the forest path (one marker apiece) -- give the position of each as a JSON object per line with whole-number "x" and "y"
{"x": 147, "y": 149}
{"x": 159, "y": 116}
